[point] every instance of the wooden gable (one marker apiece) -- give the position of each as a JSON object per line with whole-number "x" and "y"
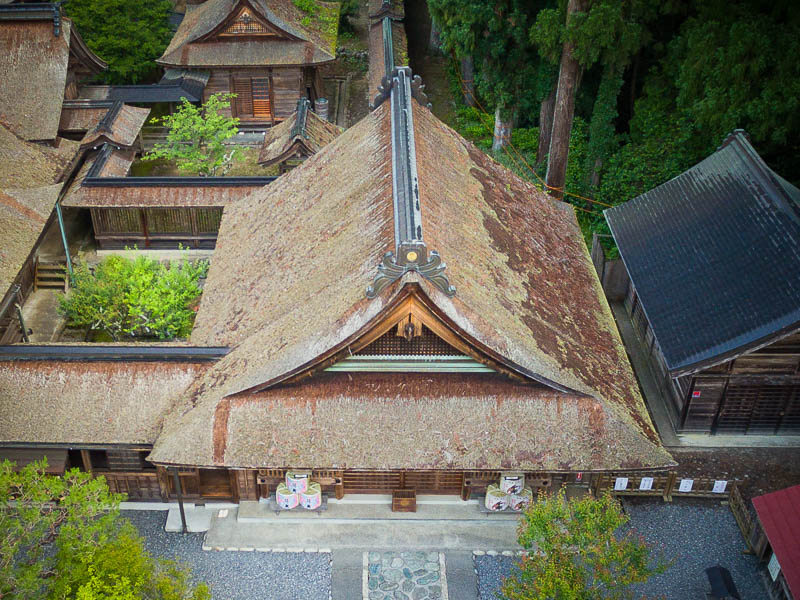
{"x": 246, "y": 21}
{"x": 410, "y": 337}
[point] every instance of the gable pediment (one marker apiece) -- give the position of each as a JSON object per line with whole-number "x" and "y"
{"x": 245, "y": 21}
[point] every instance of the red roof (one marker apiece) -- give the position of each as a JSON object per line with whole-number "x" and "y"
{"x": 779, "y": 513}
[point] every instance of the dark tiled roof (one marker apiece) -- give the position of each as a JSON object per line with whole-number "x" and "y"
{"x": 175, "y": 85}
{"x": 714, "y": 255}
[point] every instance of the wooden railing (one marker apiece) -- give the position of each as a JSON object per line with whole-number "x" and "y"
{"x": 667, "y": 486}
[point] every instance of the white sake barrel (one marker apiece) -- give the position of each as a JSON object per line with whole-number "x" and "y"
{"x": 496, "y": 499}
{"x": 285, "y": 497}
{"x": 512, "y": 483}
{"x": 297, "y": 481}
{"x": 521, "y": 501}
{"x": 312, "y": 497}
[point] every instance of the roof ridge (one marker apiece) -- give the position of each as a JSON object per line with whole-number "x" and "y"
{"x": 411, "y": 253}
{"x": 741, "y": 139}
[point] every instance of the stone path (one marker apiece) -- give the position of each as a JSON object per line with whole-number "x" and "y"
{"x": 412, "y": 575}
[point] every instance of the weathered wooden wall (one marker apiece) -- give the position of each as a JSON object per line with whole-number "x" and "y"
{"x": 287, "y": 85}
{"x": 116, "y": 228}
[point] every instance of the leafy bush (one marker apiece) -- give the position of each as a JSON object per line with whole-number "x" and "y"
{"x": 197, "y": 135}
{"x": 130, "y": 298}
{"x": 62, "y": 538}
{"x": 580, "y": 552}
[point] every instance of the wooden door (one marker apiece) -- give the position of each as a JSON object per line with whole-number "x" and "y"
{"x": 262, "y": 107}
{"x": 216, "y": 483}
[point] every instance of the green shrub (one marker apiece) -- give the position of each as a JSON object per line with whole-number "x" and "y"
{"x": 135, "y": 298}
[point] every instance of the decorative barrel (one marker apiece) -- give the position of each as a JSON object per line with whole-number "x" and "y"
{"x": 521, "y": 501}
{"x": 496, "y": 499}
{"x": 285, "y": 497}
{"x": 321, "y": 108}
{"x": 512, "y": 483}
{"x": 297, "y": 481}
{"x": 312, "y": 497}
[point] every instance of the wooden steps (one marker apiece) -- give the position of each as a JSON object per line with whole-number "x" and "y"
{"x": 50, "y": 276}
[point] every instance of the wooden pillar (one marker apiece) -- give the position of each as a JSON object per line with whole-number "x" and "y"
{"x": 163, "y": 482}
{"x": 87, "y": 461}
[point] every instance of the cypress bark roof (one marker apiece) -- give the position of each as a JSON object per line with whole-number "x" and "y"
{"x": 33, "y": 69}
{"x": 65, "y": 402}
{"x": 23, "y": 214}
{"x": 527, "y": 294}
{"x": 288, "y": 140}
{"x": 714, "y": 255}
{"x": 305, "y": 39}
{"x": 120, "y": 126}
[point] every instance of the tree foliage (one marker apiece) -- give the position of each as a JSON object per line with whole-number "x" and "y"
{"x": 663, "y": 83}
{"x": 62, "y": 538}
{"x": 577, "y": 552}
{"x": 508, "y": 71}
{"x": 197, "y": 135}
{"x": 140, "y": 297}
{"x": 129, "y": 36}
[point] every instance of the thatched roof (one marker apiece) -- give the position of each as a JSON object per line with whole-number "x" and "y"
{"x": 303, "y": 39}
{"x": 33, "y": 69}
{"x": 292, "y": 140}
{"x": 120, "y": 126}
{"x": 527, "y": 294}
{"x": 25, "y": 164}
{"x": 23, "y": 214}
{"x": 134, "y": 195}
{"x": 77, "y": 118}
{"x": 63, "y": 402}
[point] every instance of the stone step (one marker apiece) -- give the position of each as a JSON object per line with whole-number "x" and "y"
{"x": 279, "y": 535}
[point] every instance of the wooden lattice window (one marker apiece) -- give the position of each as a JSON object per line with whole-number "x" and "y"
{"x": 391, "y": 344}
{"x": 245, "y": 24}
{"x": 252, "y": 97}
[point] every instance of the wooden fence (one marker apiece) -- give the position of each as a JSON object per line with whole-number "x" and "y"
{"x": 667, "y": 486}
{"x": 671, "y": 485}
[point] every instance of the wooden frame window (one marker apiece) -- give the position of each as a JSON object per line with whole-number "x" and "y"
{"x": 252, "y": 99}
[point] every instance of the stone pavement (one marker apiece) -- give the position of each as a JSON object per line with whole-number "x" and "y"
{"x": 367, "y": 542}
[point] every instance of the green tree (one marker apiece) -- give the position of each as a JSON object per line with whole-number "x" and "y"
{"x": 139, "y": 297}
{"x": 196, "y": 137}
{"x": 604, "y": 32}
{"x": 62, "y": 538}
{"x": 129, "y": 36}
{"x": 735, "y": 66}
{"x": 576, "y": 552}
{"x": 508, "y": 71}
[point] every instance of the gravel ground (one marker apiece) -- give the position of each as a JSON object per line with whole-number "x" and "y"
{"x": 491, "y": 572}
{"x": 696, "y": 535}
{"x": 238, "y": 575}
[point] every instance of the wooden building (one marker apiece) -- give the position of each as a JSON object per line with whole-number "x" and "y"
{"x": 30, "y": 182}
{"x": 267, "y": 52}
{"x": 303, "y": 134}
{"x": 713, "y": 258}
{"x": 42, "y": 60}
{"x": 145, "y": 212}
{"x": 331, "y": 336}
